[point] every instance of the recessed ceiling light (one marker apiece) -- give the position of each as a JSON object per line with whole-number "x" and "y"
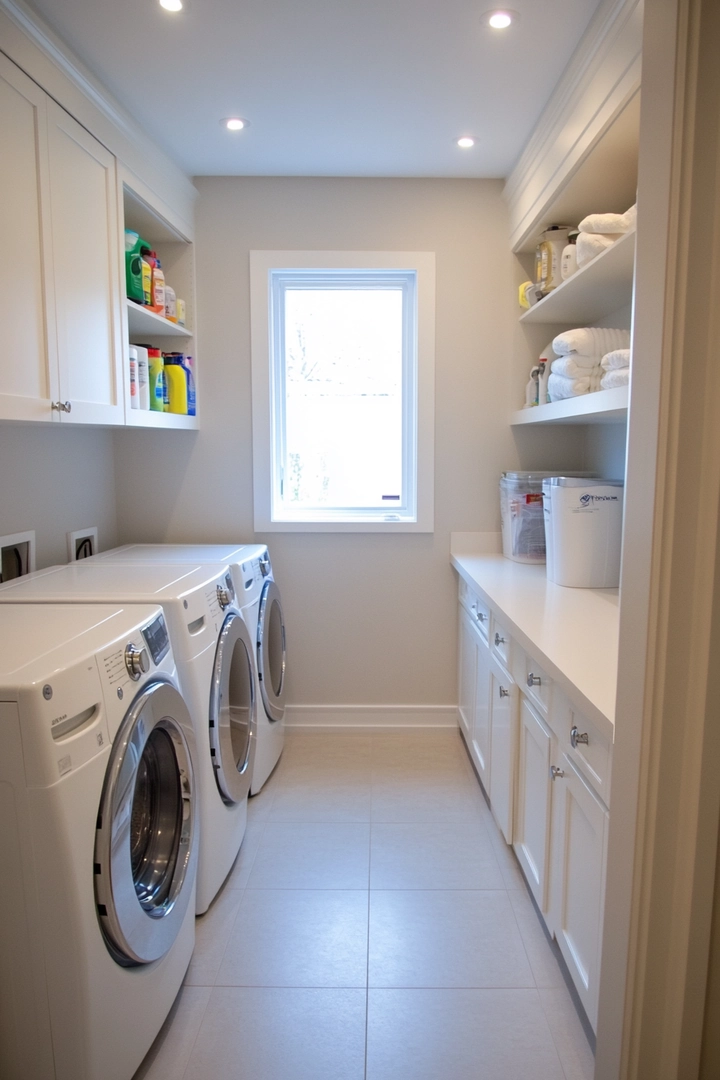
{"x": 171, "y": 5}
{"x": 234, "y": 123}
{"x": 500, "y": 19}
{"x": 466, "y": 142}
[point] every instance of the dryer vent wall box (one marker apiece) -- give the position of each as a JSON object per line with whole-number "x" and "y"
{"x": 82, "y": 544}
{"x": 17, "y": 555}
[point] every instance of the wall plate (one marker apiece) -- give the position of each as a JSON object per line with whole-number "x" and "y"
{"x": 82, "y": 543}
{"x": 17, "y": 555}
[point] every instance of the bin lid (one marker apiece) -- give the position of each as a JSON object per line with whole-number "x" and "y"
{"x": 577, "y": 481}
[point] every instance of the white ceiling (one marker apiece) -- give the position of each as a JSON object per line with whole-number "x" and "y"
{"x": 330, "y": 87}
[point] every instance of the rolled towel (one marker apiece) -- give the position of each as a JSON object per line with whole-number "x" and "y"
{"x": 591, "y": 341}
{"x": 616, "y": 377}
{"x": 560, "y": 388}
{"x": 609, "y": 223}
{"x": 590, "y": 245}
{"x": 616, "y": 360}
{"x": 575, "y": 366}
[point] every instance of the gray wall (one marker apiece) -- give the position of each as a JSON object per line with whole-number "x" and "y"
{"x": 371, "y": 618}
{"x": 56, "y": 479}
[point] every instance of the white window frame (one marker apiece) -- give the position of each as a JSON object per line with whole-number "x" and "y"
{"x": 418, "y": 423}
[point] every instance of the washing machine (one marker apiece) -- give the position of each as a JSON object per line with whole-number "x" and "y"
{"x": 98, "y": 839}
{"x": 259, "y": 598}
{"x": 214, "y": 654}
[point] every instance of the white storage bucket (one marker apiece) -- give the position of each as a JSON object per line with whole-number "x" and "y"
{"x": 584, "y": 529}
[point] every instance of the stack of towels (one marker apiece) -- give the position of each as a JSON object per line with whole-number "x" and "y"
{"x": 581, "y": 353}
{"x": 600, "y": 231}
{"x": 616, "y": 368}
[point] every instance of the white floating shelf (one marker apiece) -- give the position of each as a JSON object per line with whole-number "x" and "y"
{"x": 161, "y": 420}
{"x": 602, "y": 407}
{"x": 600, "y": 287}
{"x": 141, "y": 321}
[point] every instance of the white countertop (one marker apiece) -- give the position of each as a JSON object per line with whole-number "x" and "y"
{"x": 571, "y": 632}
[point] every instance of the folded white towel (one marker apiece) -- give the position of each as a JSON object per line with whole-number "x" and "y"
{"x": 590, "y": 245}
{"x": 592, "y": 341}
{"x": 609, "y": 223}
{"x": 617, "y": 377}
{"x": 576, "y": 366}
{"x": 616, "y": 360}
{"x": 560, "y": 388}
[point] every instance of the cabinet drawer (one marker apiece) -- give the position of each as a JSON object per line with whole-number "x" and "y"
{"x": 476, "y": 608}
{"x": 589, "y": 750}
{"x": 537, "y": 684}
{"x": 501, "y": 643}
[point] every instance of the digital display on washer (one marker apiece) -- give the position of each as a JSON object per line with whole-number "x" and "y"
{"x": 156, "y": 637}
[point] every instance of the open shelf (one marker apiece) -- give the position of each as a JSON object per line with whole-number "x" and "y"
{"x": 164, "y": 421}
{"x": 602, "y": 407}
{"x": 143, "y": 321}
{"x": 598, "y": 288}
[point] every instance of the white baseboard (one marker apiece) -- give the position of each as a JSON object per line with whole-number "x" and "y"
{"x": 345, "y": 717}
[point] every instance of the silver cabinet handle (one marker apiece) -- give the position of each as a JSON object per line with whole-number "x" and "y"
{"x": 61, "y": 406}
{"x": 499, "y": 640}
{"x": 577, "y": 736}
{"x": 503, "y": 692}
{"x": 555, "y": 772}
{"x": 480, "y": 616}
{"x": 533, "y": 679}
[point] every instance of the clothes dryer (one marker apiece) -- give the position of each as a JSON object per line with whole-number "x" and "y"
{"x": 97, "y": 838}
{"x": 216, "y": 669}
{"x": 261, "y": 605}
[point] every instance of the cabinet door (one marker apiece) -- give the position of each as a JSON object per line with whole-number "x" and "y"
{"x": 578, "y": 880}
{"x": 467, "y": 667}
{"x": 534, "y": 802}
{"x": 28, "y": 372}
{"x": 86, "y": 269}
{"x": 503, "y": 740}
{"x": 481, "y": 717}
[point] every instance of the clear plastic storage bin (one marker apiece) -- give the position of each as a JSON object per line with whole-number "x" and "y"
{"x": 521, "y": 516}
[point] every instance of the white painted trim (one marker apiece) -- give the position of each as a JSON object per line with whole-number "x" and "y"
{"x": 347, "y": 717}
{"x": 261, "y": 262}
{"x": 33, "y": 46}
{"x": 601, "y": 78}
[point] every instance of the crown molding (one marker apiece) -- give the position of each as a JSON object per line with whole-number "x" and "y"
{"x": 80, "y": 80}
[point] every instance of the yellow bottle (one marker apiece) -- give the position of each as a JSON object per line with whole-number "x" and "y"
{"x": 176, "y": 384}
{"x": 156, "y": 365}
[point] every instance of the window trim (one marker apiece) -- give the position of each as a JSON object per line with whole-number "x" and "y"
{"x": 264, "y": 431}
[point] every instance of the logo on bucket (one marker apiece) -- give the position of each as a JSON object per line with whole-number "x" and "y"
{"x": 587, "y": 499}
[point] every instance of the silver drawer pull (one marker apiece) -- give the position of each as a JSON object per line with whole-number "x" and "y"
{"x": 499, "y": 640}
{"x": 555, "y": 772}
{"x": 61, "y": 406}
{"x": 578, "y": 737}
{"x": 480, "y": 616}
{"x": 533, "y": 679}
{"x": 503, "y": 692}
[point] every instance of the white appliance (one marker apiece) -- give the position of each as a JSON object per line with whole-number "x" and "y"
{"x": 259, "y": 598}
{"x": 214, "y": 655}
{"x": 97, "y": 839}
{"x": 583, "y": 531}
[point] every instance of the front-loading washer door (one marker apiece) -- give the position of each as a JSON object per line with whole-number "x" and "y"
{"x": 145, "y": 852}
{"x": 232, "y": 716}
{"x": 271, "y": 657}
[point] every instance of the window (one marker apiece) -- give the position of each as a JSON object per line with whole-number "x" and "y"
{"x": 342, "y": 358}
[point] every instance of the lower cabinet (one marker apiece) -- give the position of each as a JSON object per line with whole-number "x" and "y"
{"x": 503, "y": 747}
{"x": 474, "y": 691}
{"x": 467, "y": 667}
{"x": 533, "y": 818}
{"x": 579, "y": 837}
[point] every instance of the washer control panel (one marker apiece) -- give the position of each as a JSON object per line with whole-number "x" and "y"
{"x": 157, "y": 639}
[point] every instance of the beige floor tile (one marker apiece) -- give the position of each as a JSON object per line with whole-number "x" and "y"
{"x": 426, "y": 799}
{"x": 312, "y": 856}
{"x": 545, "y": 967}
{"x": 445, "y": 939}
{"x": 459, "y": 1035}
{"x": 280, "y": 1034}
{"x": 212, "y": 933}
{"x": 433, "y": 856}
{"x": 337, "y": 748}
{"x": 298, "y": 938}
{"x": 259, "y": 805}
{"x": 567, "y": 1031}
{"x": 238, "y": 876}
{"x": 421, "y": 750}
{"x": 169, "y": 1054}
{"x": 305, "y": 800}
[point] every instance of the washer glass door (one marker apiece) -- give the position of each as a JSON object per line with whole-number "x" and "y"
{"x": 145, "y": 857}
{"x": 232, "y": 711}
{"x": 271, "y": 651}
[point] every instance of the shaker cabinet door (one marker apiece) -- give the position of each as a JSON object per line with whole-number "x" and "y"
{"x": 28, "y": 372}
{"x": 534, "y": 802}
{"x": 86, "y": 264}
{"x": 503, "y": 742}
